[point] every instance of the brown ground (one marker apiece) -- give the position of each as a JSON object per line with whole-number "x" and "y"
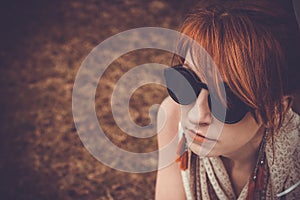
{"x": 42, "y": 47}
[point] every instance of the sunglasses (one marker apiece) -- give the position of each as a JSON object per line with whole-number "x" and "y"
{"x": 184, "y": 87}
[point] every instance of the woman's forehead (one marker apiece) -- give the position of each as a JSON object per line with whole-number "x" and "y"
{"x": 190, "y": 63}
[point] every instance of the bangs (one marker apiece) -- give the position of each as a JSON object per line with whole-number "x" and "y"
{"x": 244, "y": 45}
{"x": 201, "y": 57}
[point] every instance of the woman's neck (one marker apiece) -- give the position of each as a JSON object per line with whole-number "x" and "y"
{"x": 240, "y": 164}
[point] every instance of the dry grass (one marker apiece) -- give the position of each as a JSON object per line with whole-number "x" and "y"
{"x": 43, "y": 46}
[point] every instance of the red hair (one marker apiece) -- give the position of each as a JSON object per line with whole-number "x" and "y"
{"x": 255, "y": 46}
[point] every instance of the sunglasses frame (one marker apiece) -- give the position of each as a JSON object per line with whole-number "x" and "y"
{"x": 191, "y": 81}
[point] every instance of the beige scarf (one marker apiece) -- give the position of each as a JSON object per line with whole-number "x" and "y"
{"x": 283, "y": 159}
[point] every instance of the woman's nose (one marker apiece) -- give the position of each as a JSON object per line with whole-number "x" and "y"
{"x": 200, "y": 113}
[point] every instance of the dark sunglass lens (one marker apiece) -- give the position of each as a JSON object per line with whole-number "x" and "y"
{"x": 235, "y": 109}
{"x": 236, "y": 115}
{"x": 180, "y": 85}
{"x": 184, "y": 87}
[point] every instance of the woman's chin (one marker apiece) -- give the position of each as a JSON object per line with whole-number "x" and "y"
{"x": 202, "y": 150}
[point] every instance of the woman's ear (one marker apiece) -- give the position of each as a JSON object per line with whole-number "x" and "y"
{"x": 287, "y": 103}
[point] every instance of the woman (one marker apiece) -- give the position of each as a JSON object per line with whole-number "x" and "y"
{"x": 239, "y": 137}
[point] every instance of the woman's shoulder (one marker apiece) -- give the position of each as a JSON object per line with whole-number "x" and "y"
{"x": 281, "y": 149}
{"x": 292, "y": 121}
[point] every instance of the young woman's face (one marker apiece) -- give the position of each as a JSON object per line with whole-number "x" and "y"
{"x": 207, "y": 136}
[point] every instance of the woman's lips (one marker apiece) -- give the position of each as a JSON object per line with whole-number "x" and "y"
{"x": 198, "y": 137}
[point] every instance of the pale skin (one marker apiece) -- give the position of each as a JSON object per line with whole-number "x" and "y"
{"x": 237, "y": 144}
{"x": 168, "y": 182}
{"x": 238, "y": 155}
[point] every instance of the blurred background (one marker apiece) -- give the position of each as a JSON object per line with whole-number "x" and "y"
{"x": 43, "y": 44}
